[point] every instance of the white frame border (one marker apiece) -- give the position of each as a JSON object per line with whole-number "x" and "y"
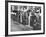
{"x": 23, "y": 32}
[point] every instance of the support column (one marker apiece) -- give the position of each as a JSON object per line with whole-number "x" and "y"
{"x": 21, "y": 18}
{"x": 29, "y": 20}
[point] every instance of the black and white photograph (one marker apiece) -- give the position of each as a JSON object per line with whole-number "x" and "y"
{"x": 24, "y": 18}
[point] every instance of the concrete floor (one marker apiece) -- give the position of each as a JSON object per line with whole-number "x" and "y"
{"x": 15, "y": 26}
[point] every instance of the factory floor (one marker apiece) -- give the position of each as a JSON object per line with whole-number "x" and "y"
{"x": 15, "y": 26}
